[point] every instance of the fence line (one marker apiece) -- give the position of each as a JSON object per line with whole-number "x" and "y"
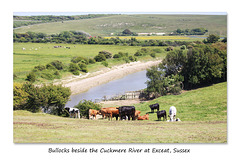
{"x": 129, "y": 95}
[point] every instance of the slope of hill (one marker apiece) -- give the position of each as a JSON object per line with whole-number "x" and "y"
{"x": 202, "y": 111}
{"x": 104, "y": 26}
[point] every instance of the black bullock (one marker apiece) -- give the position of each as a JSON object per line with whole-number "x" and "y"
{"x": 128, "y": 111}
{"x": 154, "y": 106}
{"x": 161, "y": 114}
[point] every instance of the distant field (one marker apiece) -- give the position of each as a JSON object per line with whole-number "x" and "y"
{"x": 203, "y": 113}
{"x": 41, "y": 54}
{"x": 140, "y": 23}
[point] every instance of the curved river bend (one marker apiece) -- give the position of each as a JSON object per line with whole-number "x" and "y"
{"x": 131, "y": 82}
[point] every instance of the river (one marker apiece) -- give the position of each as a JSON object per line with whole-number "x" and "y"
{"x": 131, "y": 82}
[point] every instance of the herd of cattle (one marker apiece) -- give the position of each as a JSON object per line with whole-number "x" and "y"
{"x": 125, "y": 112}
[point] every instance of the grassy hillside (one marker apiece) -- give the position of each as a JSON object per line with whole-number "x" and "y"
{"x": 203, "y": 104}
{"x": 140, "y": 23}
{"x": 203, "y": 113}
{"x": 41, "y": 54}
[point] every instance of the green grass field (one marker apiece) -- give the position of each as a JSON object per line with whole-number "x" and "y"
{"x": 140, "y": 23}
{"x": 203, "y": 113}
{"x": 40, "y": 54}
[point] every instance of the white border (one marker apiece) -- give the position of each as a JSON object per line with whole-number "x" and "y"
{"x": 11, "y": 151}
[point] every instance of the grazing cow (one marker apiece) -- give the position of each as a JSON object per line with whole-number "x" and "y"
{"x": 128, "y": 111}
{"x": 73, "y": 112}
{"x": 23, "y": 48}
{"x": 154, "y": 106}
{"x": 68, "y": 47}
{"x": 161, "y": 114}
{"x": 93, "y": 113}
{"x": 172, "y": 113}
{"x": 144, "y": 117}
{"x": 110, "y": 112}
{"x": 137, "y": 113}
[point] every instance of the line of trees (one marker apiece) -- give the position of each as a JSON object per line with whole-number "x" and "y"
{"x": 199, "y": 65}
{"x": 79, "y": 37}
{"x": 196, "y": 31}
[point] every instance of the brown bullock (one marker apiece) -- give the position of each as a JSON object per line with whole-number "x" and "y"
{"x": 110, "y": 112}
{"x": 144, "y": 117}
{"x": 137, "y": 113}
{"x": 93, "y": 113}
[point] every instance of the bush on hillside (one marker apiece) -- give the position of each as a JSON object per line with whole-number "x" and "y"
{"x": 107, "y": 54}
{"x": 84, "y": 107}
{"x": 100, "y": 58}
{"x": 31, "y": 77}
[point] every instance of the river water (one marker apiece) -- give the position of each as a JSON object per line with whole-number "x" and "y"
{"x": 131, "y": 82}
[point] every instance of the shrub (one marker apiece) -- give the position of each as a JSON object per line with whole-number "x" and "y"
{"x": 107, "y": 54}
{"x": 31, "y": 77}
{"x": 40, "y": 67}
{"x": 80, "y": 59}
{"x": 100, "y": 58}
{"x": 73, "y": 67}
{"x": 138, "y": 53}
{"x": 84, "y": 107}
{"x": 92, "y": 61}
{"x": 83, "y": 67}
{"x": 116, "y": 56}
{"x": 132, "y": 58}
{"x": 105, "y": 63}
{"x": 75, "y": 72}
{"x": 57, "y": 64}
{"x": 50, "y": 66}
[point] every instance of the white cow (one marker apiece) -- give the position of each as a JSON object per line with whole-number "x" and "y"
{"x": 73, "y": 112}
{"x": 172, "y": 113}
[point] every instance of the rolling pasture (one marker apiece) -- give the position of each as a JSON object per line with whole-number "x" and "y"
{"x": 140, "y": 23}
{"x": 41, "y": 54}
{"x": 203, "y": 113}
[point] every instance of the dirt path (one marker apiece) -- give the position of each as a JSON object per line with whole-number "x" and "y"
{"x": 83, "y": 83}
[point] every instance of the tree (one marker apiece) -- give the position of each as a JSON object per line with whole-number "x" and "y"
{"x": 19, "y": 96}
{"x": 54, "y": 97}
{"x": 159, "y": 84}
{"x": 126, "y": 32}
{"x": 212, "y": 39}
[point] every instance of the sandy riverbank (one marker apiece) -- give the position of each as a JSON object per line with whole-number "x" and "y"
{"x": 83, "y": 83}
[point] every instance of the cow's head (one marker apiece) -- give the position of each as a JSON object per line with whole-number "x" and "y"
{"x": 172, "y": 116}
{"x": 99, "y": 112}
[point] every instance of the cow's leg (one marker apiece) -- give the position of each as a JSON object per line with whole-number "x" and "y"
{"x": 129, "y": 116}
